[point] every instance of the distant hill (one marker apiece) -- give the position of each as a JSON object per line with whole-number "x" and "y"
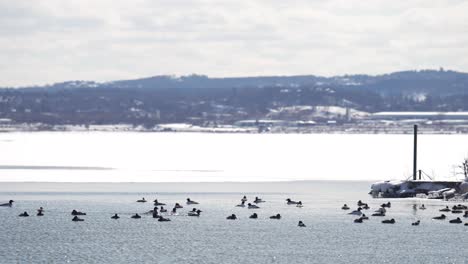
{"x": 198, "y": 98}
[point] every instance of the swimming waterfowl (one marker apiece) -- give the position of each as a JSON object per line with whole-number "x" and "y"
{"x": 459, "y": 207}
{"x": 190, "y": 201}
{"x": 115, "y": 216}
{"x": 457, "y": 211}
{"x": 391, "y": 221}
{"x": 156, "y": 203}
{"x": 358, "y": 220}
{"x": 456, "y": 221}
{"x": 25, "y": 214}
{"x": 77, "y": 219}
{"x": 465, "y": 214}
{"x": 360, "y": 203}
{"x": 136, "y": 216}
{"x": 155, "y": 213}
{"x": 142, "y": 200}
{"x": 289, "y": 201}
{"x": 244, "y": 199}
{"x": 301, "y": 224}
{"x": 441, "y": 217}
{"x": 258, "y": 200}
{"x": 253, "y": 216}
{"x": 388, "y": 205}
{"x": 299, "y": 204}
{"x": 252, "y": 206}
{"x": 345, "y": 207}
{"x": 231, "y": 217}
{"x": 446, "y": 209}
{"x": 356, "y": 212}
{"x": 416, "y": 223}
{"x": 379, "y": 214}
{"x": 178, "y": 206}
{"x": 74, "y": 212}
{"x": 162, "y": 219}
{"x": 40, "y": 213}
{"x": 466, "y": 224}
{"x": 364, "y": 217}
{"x": 174, "y": 211}
{"x": 194, "y": 213}
{"x": 366, "y": 207}
{"x": 277, "y": 216}
{"x": 162, "y": 210}
{"x": 381, "y": 210}
{"x": 10, "y": 203}
{"x": 242, "y": 204}
{"x": 422, "y": 207}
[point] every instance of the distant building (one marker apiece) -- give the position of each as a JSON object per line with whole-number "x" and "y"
{"x": 420, "y": 116}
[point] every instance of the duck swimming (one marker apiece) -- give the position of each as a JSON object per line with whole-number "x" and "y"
{"x": 466, "y": 214}
{"x": 416, "y": 223}
{"x": 156, "y": 203}
{"x": 40, "y": 213}
{"x": 277, "y": 216}
{"x": 10, "y": 203}
{"x": 242, "y": 204}
{"x": 301, "y": 224}
{"x": 194, "y": 213}
{"x": 456, "y": 221}
{"x": 358, "y": 220}
{"x": 231, "y": 217}
{"x": 77, "y": 219}
{"x": 244, "y": 199}
{"x": 299, "y": 204}
{"x": 253, "y": 216}
{"x": 446, "y": 209}
{"x": 457, "y": 211}
{"x": 162, "y": 210}
{"x": 74, "y": 212}
{"x": 190, "y": 201}
{"x": 136, "y": 216}
{"x": 162, "y": 219}
{"x": 378, "y": 214}
{"x": 258, "y": 200}
{"x": 174, "y": 211}
{"x": 366, "y": 207}
{"x": 422, "y": 207}
{"x": 115, "y": 216}
{"x": 381, "y": 210}
{"x": 289, "y": 201}
{"x": 25, "y": 214}
{"x": 364, "y": 217}
{"x": 178, "y": 206}
{"x": 388, "y": 205}
{"x": 155, "y": 213}
{"x": 391, "y": 221}
{"x": 356, "y": 212}
{"x": 252, "y": 206}
{"x": 345, "y": 207}
{"x": 441, "y": 217}
{"x": 142, "y": 200}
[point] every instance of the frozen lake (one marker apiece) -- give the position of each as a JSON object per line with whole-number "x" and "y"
{"x": 195, "y": 157}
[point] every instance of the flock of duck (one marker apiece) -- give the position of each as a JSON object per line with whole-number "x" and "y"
{"x": 158, "y": 209}
{"x": 382, "y": 210}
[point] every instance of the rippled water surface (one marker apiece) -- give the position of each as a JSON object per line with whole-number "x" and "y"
{"x": 330, "y": 235}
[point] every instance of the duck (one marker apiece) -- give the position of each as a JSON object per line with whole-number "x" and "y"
{"x": 258, "y": 200}
{"x": 142, "y": 200}
{"x": 301, "y": 224}
{"x": 364, "y": 217}
{"x": 388, "y": 205}
{"x": 178, "y": 206}
{"x": 366, "y": 207}
{"x": 466, "y": 224}
{"x": 459, "y": 207}
{"x": 74, "y": 212}
{"x": 378, "y": 214}
{"x": 289, "y": 201}
{"x": 416, "y": 223}
{"x": 194, "y": 212}
{"x": 446, "y": 209}
{"x": 190, "y": 201}
{"x": 244, "y": 199}
{"x": 465, "y": 214}
{"x": 231, "y": 217}
{"x": 40, "y": 213}
{"x": 358, "y": 220}
{"x": 441, "y": 217}
{"x": 163, "y": 210}
{"x": 381, "y": 210}
{"x": 277, "y": 216}
{"x": 360, "y": 203}
{"x": 40, "y": 210}
{"x": 10, "y": 203}
{"x": 155, "y": 213}
{"x": 391, "y": 221}
{"x": 24, "y": 214}
{"x": 299, "y": 204}
{"x": 162, "y": 219}
{"x": 77, "y": 219}
{"x": 345, "y": 207}
{"x": 457, "y": 211}
{"x": 252, "y": 206}
{"x": 174, "y": 211}
{"x": 242, "y": 204}
{"x": 422, "y": 207}
{"x": 253, "y": 216}
{"x": 136, "y": 216}
{"x": 356, "y": 212}
{"x": 115, "y": 216}
{"x": 156, "y": 203}
{"x": 456, "y": 221}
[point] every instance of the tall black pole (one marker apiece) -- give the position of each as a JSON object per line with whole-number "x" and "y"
{"x": 415, "y": 151}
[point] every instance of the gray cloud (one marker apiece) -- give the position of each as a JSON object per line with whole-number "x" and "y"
{"x": 53, "y": 40}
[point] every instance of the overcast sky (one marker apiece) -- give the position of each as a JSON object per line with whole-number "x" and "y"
{"x": 46, "y": 41}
